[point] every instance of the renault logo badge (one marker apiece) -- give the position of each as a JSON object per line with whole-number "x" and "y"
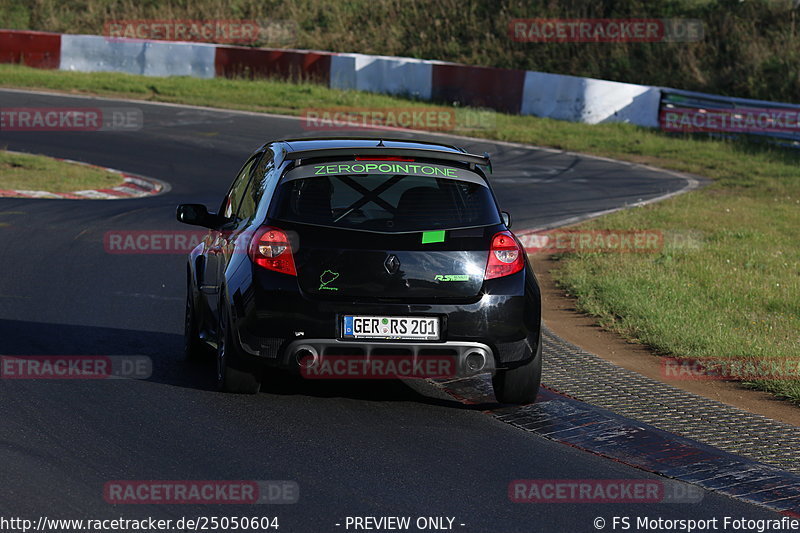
{"x": 392, "y": 264}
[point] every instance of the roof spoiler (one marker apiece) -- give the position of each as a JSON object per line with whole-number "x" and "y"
{"x": 399, "y": 152}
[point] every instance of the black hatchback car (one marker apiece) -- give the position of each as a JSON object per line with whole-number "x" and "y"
{"x": 363, "y": 249}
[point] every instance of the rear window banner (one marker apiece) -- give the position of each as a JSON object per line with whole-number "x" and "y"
{"x": 382, "y": 167}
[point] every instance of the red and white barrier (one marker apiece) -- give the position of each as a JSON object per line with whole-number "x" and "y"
{"x": 510, "y": 91}
{"x": 589, "y": 100}
{"x": 495, "y": 88}
{"x": 32, "y": 48}
{"x": 93, "y": 53}
{"x": 298, "y": 65}
{"x": 382, "y": 74}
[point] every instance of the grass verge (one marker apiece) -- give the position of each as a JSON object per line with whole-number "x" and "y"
{"x": 40, "y": 173}
{"x": 725, "y": 285}
{"x": 748, "y": 48}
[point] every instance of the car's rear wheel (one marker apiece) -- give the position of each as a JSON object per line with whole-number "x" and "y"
{"x": 194, "y": 349}
{"x": 520, "y": 384}
{"x": 234, "y": 374}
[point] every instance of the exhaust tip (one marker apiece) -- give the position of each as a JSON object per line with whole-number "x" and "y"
{"x": 306, "y": 356}
{"x": 475, "y": 361}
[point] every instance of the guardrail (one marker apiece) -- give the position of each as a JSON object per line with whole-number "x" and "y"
{"x": 687, "y": 111}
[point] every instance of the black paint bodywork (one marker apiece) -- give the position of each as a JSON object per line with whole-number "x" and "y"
{"x": 266, "y": 310}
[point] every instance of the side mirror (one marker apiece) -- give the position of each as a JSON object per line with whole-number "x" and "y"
{"x": 196, "y": 215}
{"x": 506, "y": 218}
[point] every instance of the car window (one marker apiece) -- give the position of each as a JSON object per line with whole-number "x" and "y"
{"x": 386, "y": 202}
{"x": 255, "y": 189}
{"x": 234, "y": 197}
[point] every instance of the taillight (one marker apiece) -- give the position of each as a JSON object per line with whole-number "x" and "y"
{"x": 505, "y": 257}
{"x": 270, "y": 249}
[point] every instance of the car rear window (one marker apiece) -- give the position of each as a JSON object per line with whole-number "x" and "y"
{"x": 409, "y": 197}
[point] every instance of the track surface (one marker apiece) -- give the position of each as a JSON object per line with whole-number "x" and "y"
{"x": 355, "y": 449}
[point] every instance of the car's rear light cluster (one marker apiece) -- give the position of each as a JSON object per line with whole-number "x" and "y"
{"x": 506, "y": 256}
{"x": 270, "y": 248}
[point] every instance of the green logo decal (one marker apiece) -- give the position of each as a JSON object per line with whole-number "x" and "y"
{"x": 384, "y": 168}
{"x": 451, "y": 277}
{"x": 327, "y": 277}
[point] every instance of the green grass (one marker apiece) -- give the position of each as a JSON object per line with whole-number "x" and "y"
{"x": 750, "y": 47}
{"x": 246, "y": 95}
{"x": 40, "y": 173}
{"x": 727, "y": 283}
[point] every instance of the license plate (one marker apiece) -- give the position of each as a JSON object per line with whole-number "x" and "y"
{"x": 391, "y": 327}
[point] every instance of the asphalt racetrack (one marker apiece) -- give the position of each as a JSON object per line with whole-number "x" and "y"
{"x": 354, "y": 449}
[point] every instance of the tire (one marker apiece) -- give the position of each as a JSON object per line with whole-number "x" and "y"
{"x": 521, "y": 384}
{"x": 233, "y": 373}
{"x": 194, "y": 349}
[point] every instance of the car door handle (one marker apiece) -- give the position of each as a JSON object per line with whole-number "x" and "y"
{"x": 209, "y": 289}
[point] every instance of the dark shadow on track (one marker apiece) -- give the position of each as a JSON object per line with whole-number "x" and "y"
{"x": 169, "y": 367}
{"x": 288, "y": 384}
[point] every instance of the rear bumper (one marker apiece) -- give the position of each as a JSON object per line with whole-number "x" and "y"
{"x": 429, "y": 360}
{"x": 276, "y": 318}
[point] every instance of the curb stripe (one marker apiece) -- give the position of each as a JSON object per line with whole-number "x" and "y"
{"x": 592, "y": 429}
{"x": 132, "y": 186}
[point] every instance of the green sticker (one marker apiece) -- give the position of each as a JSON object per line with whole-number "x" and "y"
{"x": 327, "y": 277}
{"x": 451, "y": 277}
{"x": 432, "y": 236}
{"x": 384, "y": 168}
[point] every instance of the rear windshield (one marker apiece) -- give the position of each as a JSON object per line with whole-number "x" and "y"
{"x": 386, "y": 202}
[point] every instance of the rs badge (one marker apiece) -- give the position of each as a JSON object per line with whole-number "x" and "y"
{"x": 451, "y": 277}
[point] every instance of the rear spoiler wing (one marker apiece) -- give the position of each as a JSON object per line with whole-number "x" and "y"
{"x": 366, "y": 151}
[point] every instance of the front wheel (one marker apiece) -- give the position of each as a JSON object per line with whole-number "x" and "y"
{"x": 232, "y": 373}
{"x": 521, "y": 384}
